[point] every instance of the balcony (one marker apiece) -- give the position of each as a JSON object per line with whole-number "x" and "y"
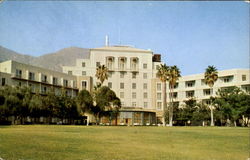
{"x": 122, "y": 62}
{"x": 134, "y": 64}
{"x": 17, "y": 76}
{"x": 110, "y": 63}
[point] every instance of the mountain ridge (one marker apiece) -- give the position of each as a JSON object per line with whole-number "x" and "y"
{"x": 53, "y": 61}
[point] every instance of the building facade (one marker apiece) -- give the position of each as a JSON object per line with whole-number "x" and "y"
{"x": 132, "y": 75}
{"x": 40, "y": 80}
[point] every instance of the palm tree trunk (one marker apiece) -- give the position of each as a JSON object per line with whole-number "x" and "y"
{"x": 164, "y": 104}
{"x": 116, "y": 120}
{"x": 212, "y": 116}
{"x": 171, "y": 107}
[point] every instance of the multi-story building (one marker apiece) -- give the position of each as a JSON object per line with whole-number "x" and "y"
{"x": 132, "y": 75}
{"x": 193, "y": 86}
{"x": 40, "y": 80}
{"x": 130, "y": 71}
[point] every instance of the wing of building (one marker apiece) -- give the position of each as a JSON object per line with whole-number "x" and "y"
{"x": 132, "y": 75}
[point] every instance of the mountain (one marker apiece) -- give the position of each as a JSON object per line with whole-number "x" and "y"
{"x": 53, "y": 61}
{"x": 7, "y": 54}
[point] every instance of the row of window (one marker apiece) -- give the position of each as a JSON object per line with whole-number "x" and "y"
{"x": 122, "y": 95}
{"x": 121, "y": 64}
{"x": 134, "y": 85}
{"x": 133, "y": 75}
{"x": 192, "y": 83}
{"x": 44, "y": 78}
{"x": 134, "y": 104}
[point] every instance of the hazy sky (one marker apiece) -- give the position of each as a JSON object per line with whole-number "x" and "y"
{"x": 189, "y": 34}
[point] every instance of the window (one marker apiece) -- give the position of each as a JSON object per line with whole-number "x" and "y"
{"x": 74, "y": 84}
{"x": 159, "y": 105}
{"x": 133, "y": 63}
{"x": 145, "y": 75}
{"x": 244, "y": 77}
{"x": 145, "y": 95}
{"x": 176, "y": 85}
{"x": 19, "y": 73}
{"x": 145, "y": 66}
{"x": 84, "y": 73}
{"x": 206, "y": 92}
{"x": 54, "y": 81}
{"x": 189, "y": 94}
{"x": 44, "y": 78}
{"x": 84, "y": 84}
{"x": 121, "y": 63}
{"x": 145, "y": 86}
{"x": 3, "y": 81}
{"x": 69, "y": 72}
{"x": 190, "y": 83}
{"x": 133, "y": 104}
{"x": 83, "y": 64}
{"x": 145, "y": 104}
{"x": 133, "y": 95}
{"x": 134, "y": 75}
{"x": 121, "y": 94}
{"x": 110, "y": 84}
{"x": 207, "y": 102}
{"x": 133, "y": 85}
{"x": 122, "y": 74}
{"x": 20, "y": 84}
{"x": 158, "y": 86}
{"x": 121, "y": 85}
{"x": 175, "y": 94}
{"x": 44, "y": 89}
{"x": 110, "y": 62}
{"x": 31, "y": 76}
{"x": 65, "y": 83}
{"x": 98, "y": 64}
{"x": 226, "y": 80}
{"x": 158, "y": 96}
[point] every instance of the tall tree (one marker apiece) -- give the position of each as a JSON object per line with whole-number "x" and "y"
{"x": 51, "y": 104}
{"x": 211, "y": 76}
{"x": 106, "y": 103}
{"x": 84, "y": 102}
{"x": 163, "y": 75}
{"x": 174, "y": 74}
{"x": 35, "y": 106}
{"x": 233, "y": 104}
{"x": 102, "y": 73}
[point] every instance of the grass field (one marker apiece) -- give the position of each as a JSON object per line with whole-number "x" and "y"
{"x": 35, "y": 142}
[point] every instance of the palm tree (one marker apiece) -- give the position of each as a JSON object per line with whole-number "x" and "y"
{"x": 211, "y": 76}
{"x": 174, "y": 74}
{"x": 163, "y": 75}
{"x": 102, "y": 73}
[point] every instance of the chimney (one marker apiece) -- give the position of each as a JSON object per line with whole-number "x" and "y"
{"x": 106, "y": 40}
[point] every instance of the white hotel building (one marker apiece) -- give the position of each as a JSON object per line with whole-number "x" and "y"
{"x": 132, "y": 75}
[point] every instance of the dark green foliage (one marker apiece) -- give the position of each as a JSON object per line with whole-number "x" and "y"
{"x": 232, "y": 104}
{"x": 106, "y": 103}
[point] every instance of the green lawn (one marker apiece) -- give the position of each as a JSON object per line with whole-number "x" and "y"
{"x": 123, "y": 143}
